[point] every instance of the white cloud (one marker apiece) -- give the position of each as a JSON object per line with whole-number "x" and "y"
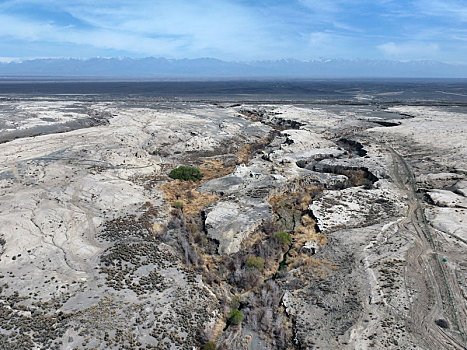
{"x": 232, "y": 29}
{"x": 409, "y": 50}
{"x": 178, "y": 28}
{"x": 36, "y": 31}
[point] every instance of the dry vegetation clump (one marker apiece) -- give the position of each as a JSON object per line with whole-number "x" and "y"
{"x": 290, "y": 207}
{"x": 319, "y": 268}
{"x": 255, "y": 262}
{"x": 185, "y": 238}
{"x": 244, "y": 154}
{"x": 247, "y": 152}
{"x": 293, "y": 210}
{"x": 357, "y": 177}
{"x": 214, "y": 168}
{"x": 185, "y": 193}
{"x": 263, "y": 313}
{"x": 298, "y": 200}
{"x": 306, "y": 232}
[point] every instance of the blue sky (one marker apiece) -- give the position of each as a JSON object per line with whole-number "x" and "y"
{"x": 236, "y": 30}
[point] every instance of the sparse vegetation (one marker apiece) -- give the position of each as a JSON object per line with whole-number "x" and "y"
{"x": 235, "y": 303}
{"x": 235, "y": 316}
{"x": 252, "y": 271}
{"x": 255, "y": 262}
{"x": 186, "y": 173}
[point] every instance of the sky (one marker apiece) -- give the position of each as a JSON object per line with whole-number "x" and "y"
{"x": 235, "y": 30}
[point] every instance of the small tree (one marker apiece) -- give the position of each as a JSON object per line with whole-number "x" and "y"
{"x": 283, "y": 238}
{"x": 186, "y": 173}
{"x": 178, "y": 205}
{"x": 255, "y": 262}
{"x": 235, "y": 316}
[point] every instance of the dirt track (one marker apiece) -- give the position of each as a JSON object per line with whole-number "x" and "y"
{"x": 439, "y": 296}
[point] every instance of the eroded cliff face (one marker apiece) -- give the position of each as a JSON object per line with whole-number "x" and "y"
{"x": 324, "y": 229}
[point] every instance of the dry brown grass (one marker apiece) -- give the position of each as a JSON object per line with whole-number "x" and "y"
{"x": 247, "y": 151}
{"x": 218, "y": 328}
{"x": 184, "y": 191}
{"x": 299, "y": 200}
{"x": 307, "y": 232}
{"x": 214, "y": 168}
{"x": 275, "y": 201}
{"x": 244, "y": 154}
{"x": 309, "y": 264}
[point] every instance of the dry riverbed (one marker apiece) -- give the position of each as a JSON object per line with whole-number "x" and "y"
{"x": 327, "y": 227}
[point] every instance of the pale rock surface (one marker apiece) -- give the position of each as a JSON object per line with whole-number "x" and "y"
{"x": 461, "y": 187}
{"x": 450, "y": 221}
{"x": 230, "y": 223}
{"x": 446, "y": 198}
{"x": 356, "y": 207}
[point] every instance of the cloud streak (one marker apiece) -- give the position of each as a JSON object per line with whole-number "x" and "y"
{"x": 234, "y": 29}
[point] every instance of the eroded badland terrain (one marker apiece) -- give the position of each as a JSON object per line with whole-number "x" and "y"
{"x": 313, "y": 227}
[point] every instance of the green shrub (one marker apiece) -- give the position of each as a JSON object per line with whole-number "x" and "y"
{"x": 283, "y": 238}
{"x": 255, "y": 262}
{"x": 210, "y": 346}
{"x": 177, "y": 205}
{"x": 235, "y": 316}
{"x": 186, "y": 173}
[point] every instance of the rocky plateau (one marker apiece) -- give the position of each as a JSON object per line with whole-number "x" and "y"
{"x": 324, "y": 226}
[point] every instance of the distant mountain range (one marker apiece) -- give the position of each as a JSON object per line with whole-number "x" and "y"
{"x": 153, "y": 68}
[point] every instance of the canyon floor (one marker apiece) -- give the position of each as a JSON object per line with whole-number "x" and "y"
{"x": 327, "y": 226}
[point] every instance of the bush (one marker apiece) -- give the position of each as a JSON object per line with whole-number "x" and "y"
{"x": 186, "y": 173}
{"x": 209, "y": 346}
{"x": 235, "y": 316}
{"x": 255, "y": 262}
{"x": 178, "y": 205}
{"x": 283, "y": 238}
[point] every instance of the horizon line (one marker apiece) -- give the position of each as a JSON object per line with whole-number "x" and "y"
{"x": 8, "y": 59}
